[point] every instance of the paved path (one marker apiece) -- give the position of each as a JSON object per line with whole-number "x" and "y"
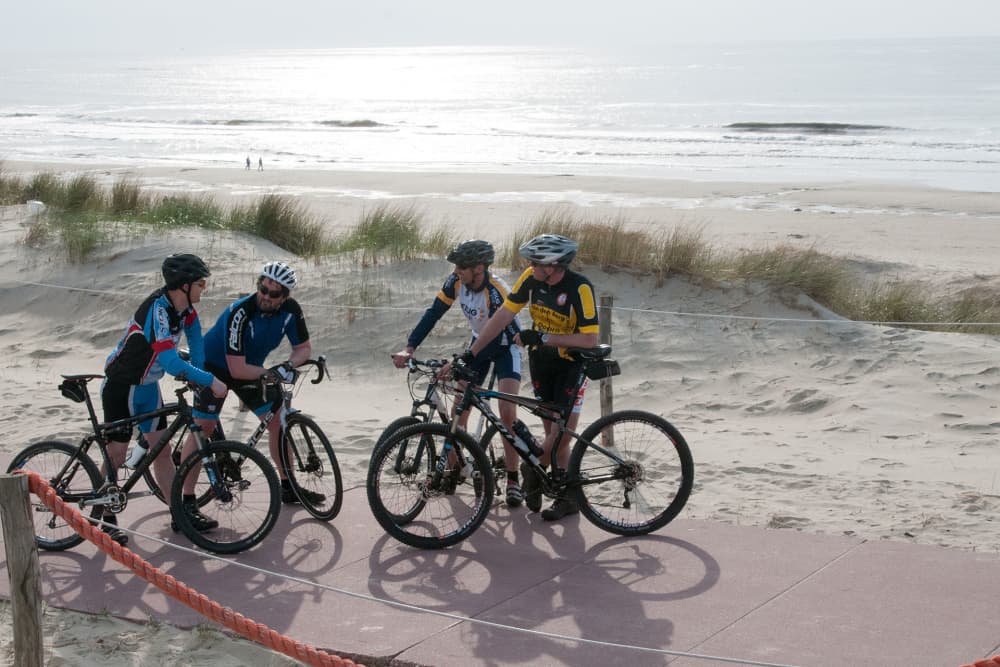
{"x": 743, "y": 594}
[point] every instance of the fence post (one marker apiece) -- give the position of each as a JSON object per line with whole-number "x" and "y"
{"x": 22, "y": 569}
{"x": 604, "y": 322}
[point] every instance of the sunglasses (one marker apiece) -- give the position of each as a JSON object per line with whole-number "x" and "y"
{"x": 274, "y": 294}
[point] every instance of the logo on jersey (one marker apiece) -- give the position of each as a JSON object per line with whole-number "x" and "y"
{"x": 234, "y": 329}
{"x": 561, "y": 299}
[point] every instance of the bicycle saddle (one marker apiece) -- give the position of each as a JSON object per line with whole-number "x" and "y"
{"x": 589, "y": 353}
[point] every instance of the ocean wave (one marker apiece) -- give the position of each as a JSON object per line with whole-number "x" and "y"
{"x": 18, "y": 114}
{"x": 810, "y": 127}
{"x": 351, "y": 123}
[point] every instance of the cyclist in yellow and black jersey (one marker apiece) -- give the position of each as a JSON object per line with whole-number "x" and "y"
{"x": 563, "y": 310}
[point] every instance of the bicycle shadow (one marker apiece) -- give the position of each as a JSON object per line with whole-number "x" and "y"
{"x": 86, "y": 579}
{"x": 556, "y": 578}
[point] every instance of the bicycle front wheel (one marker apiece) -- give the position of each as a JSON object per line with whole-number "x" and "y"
{"x": 243, "y": 500}
{"x": 646, "y": 488}
{"x": 424, "y": 505}
{"x": 312, "y": 468}
{"x": 80, "y": 481}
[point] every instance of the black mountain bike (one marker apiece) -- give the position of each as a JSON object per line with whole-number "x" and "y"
{"x": 245, "y": 502}
{"x": 307, "y": 457}
{"x": 630, "y": 472}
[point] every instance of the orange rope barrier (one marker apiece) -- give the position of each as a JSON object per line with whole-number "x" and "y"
{"x": 257, "y": 632}
{"x": 988, "y": 662}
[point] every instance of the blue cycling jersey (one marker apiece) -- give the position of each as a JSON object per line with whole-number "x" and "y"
{"x": 246, "y": 331}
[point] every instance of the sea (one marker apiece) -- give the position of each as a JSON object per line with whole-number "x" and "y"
{"x": 914, "y": 111}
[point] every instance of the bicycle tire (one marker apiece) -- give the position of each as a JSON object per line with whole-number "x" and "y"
{"x": 413, "y": 461}
{"x": 312, "y": 470}
{"x": 393, "y": 426}
{"x": 47, "y": 459}
{"x": 248, "y": 511}
{"x": 640, "y": 500}
{"x": 446, "y": 517}
{"x": 492, "y": 445}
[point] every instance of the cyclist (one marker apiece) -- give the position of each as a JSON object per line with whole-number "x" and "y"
{"x": 480, "y": 293}
{"x": 147, "y": 351}
{"x": 238, "y": 343}
{"x": 563, "y": 310}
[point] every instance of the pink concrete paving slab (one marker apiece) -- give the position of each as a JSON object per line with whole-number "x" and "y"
{"x": 667, "y": 592}
{"x": 883, "y": 603}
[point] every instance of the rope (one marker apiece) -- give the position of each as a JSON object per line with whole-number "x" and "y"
{"x": 988, "y": 662}
{"x": 624, "y": 309}
{"x": 257, "y": 632}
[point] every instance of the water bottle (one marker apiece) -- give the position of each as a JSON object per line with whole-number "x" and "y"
{"x": 524, "y": 441}
{"x": 137, "y": 453}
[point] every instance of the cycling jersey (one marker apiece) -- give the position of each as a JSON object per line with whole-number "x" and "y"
{"x": 567, "y": 307}
{"x": 149, "y": 347}
{"x": 246, "y": 331}
{"x": 477, "y": 306}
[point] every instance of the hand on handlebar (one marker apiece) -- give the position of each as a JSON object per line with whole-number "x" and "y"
{"x": 281, "y": 373}
{"x": 400, "y": 358}
{"x": 219, "y": 389}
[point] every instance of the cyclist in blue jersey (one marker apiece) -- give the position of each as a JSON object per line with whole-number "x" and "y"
{"x": 479, "y": 293}
{"x": 237, "y": 345}
{"x": 563, "y": 310}
{"x": 145, "y": 353}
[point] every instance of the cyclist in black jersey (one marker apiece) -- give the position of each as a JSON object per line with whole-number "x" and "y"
{"x": 563, "y": 311}
{"x": 479, "y": 293}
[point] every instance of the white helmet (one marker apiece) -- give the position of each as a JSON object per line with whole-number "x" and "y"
{"x": 280, "y": 273}
{"x": 549, "y": 249}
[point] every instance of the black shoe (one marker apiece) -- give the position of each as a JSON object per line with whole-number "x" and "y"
{"x": 199, "y": 521}
{"x": 113, "y": 531}
{"x": 532, "y": 487}
{"x": 560, "y": 508}
{"x": 289, "y": 498}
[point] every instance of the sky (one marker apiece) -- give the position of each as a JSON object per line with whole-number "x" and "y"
{"x": 225, "y": 25}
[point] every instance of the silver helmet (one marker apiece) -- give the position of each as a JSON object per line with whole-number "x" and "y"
{"x": 280, "y": 273}
{"x": 549, "y": 249}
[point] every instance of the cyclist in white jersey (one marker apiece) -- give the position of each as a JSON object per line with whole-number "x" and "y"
{"x": 479, "y": 294}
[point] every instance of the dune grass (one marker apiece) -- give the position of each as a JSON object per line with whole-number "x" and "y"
{"x": 81, "y": 216}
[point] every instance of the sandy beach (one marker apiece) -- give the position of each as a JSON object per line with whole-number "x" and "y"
{"x": 797, "y": 419}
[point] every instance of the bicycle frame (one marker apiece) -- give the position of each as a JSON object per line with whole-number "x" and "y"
{"x": 116, "y": 496}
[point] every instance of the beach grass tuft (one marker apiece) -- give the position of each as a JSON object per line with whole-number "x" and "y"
{"x": 283, "y": 222}
{"x": 389, "y": 232}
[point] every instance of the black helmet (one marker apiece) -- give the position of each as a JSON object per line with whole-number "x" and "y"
{"x": 181, "y": 269}
{"x": 549, "y": 249}
{"x": 472, "y": 252}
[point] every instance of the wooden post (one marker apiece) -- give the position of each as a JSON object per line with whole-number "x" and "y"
{"x": 604, "y": 320}
{"x": 22, "y": 568}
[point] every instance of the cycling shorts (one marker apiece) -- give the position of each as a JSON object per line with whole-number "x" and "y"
{"x": 121, "y": 401}
{"x": 208, "y": 406}
{"x": 506, "y": 362}
{"x": 555, "y": 380}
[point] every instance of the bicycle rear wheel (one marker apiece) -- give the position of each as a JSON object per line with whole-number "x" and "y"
{"x": 419, "y": 506}
{"x": 393, "y": 426}
{"x": 651, "y": 485}
{"x": 312, "y": 468}
{"x": 244, "y": 500}
{"x": 81, "y": 480}
{"x": 174, "y": 447}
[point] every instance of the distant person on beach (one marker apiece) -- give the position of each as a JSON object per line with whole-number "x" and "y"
{"x": 147, "y": 351}
{"x": 248, "y": 163}
{"x": 260, "y": 164}
{"x": 237, "y": 345}
{"x": 480, "y": 294}
{"x": 563, "y": 310}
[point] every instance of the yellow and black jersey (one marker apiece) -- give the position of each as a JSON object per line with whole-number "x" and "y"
{"x": 567, "y": 307}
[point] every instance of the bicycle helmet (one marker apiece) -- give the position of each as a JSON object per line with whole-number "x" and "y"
{"x": 182, "y": 269}
{"x": 549, "y": 249}
{"x": 280, "y": 273}
{"x": 471, "y": 253}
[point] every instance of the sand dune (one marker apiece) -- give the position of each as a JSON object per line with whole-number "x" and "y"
{"x": 797, "y": 419}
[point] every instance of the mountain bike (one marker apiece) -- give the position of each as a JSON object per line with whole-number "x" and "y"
{"x": 630, "y": 471}
{"x": 245, "y": 502}
{"x": 307, "y": 458}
